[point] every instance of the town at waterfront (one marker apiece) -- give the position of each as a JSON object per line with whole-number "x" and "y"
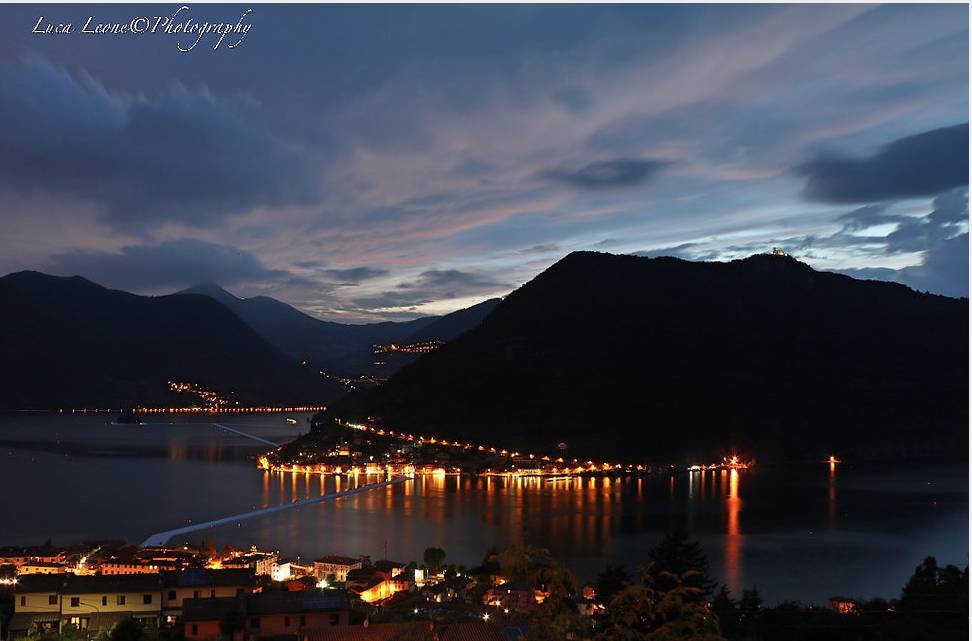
{"x": 113, "y": 591}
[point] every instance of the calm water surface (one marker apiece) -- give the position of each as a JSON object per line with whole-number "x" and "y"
{"x": 801, "y": 533}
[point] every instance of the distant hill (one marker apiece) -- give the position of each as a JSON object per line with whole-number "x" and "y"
{"x": 304, "y": 337}
{"x": 340, "y": 348}
{"x": 452, "y": 325}
{"x": 67, "y": 342}
{"x": 655, "y": 359}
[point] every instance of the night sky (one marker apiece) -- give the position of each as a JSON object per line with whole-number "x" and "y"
{"x": 366, "y": 162}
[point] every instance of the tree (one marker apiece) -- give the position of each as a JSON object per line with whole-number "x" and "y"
{"x": 556, "y": 619}
{"x": 434, "y": 558}
{"x": 539, "y": 569}
{"x": 676, "y": 556}
{"x": 750, "y": 606}
{"x": 727, "y": 611}
{"x": 127, "y": 630}
{"x": 643, "y": 613}
{"x": 610, "y": 582}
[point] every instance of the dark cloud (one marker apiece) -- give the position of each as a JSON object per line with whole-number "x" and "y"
{"x": 941, "y": 236}
{"x": 431, "y": 286}
{"x": 678, "y": 251}
{"x": 354, "y": 275}
{"x": 544, "y": 248}
{"x": 944, "y": 269}
{"x": 168, "y": 265}
{"x": 605, "y": 174}
{"x": 182, "y": 156}
{"x": 921, "y": 165}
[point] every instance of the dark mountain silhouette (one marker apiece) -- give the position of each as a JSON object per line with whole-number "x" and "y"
{"x": 67, "y": 342}
{"x": 340, "y": 348}
{"x": 304, "y": 337}
{"x": 654, "y": 359}
{"x": 452, "y": 325}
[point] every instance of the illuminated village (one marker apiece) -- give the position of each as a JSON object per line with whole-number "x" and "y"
{"x": 342, "y": 447}
{"x": 87, "y": 589}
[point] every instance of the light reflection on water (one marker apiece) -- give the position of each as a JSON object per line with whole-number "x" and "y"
{"x": 801, "y": 532}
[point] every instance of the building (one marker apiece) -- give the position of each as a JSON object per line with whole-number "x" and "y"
{"x": 372, "y": 585}
{"x": 265, "y": 614}
{"x": 127, "y": 568}
{"x": 843, "y": 605}
{"x": 170, "y": 559}
{"x": 48, "y": 602}
{"x": 389, "y": 568}
{"x": 513, "y": 596}
{"x": 259, "y": 561}
{"x": 20, "y": 556}
{"x": 452, "y": 589}
{"x": 199, "y": 583}
{"x": 42, "y": 567}
{"x": 336, "y": 566}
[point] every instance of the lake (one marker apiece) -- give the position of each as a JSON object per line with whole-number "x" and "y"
{"x": 796, "y": 532}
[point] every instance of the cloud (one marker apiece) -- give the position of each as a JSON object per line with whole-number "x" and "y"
{"x": 355, "y": 275}
{"x": 943, "y": 238}
{"x": 921, "y": 165}
{"x": 432, "y": 286}
{"x": 168, "y": 265}
{"x": 606, "y": 174}
{"x": 182, "y": 156}
{"x": 543, "y": 248}
{"x": 678, "y": 251}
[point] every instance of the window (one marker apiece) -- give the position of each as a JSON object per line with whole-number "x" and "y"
{"x": 120, "y": 599}
{"x": 146, "y": 598}
{"x": 172, "y": 595}
{"x": 195, "y": 629}
{"x": 303, "y": 620}
{"x": 104, "y": 600}
{"x": 286, "y": 622}
{"x": 255, "y": 622}
{"x": 75, "y": 602}
{"x": 52, "y": 599}
{"x": 212, "y": 594}
{"x": 195, "y": 594}
{"x": 23, "y": 600}
{"x": 334, "y": 619}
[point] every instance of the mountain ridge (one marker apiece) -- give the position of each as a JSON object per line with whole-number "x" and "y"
{"x": 682, "y": 358}
{"x": 71, "y": 343}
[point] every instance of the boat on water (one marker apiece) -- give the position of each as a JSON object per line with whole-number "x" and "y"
{"x": 292, "y": 421}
